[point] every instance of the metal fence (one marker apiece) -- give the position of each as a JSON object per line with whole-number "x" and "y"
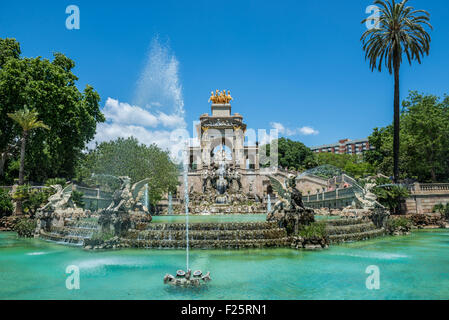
{"x": 94, "y": 199}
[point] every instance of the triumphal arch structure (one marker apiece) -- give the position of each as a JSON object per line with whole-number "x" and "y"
{"x": 224, "y": 173}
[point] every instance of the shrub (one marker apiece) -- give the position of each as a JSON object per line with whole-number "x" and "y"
{"x": 102, "y": 236}
{"x": 6, "y": 206}
{"x": 32, "y": 199}
{"x": 398, "y": 224}
{"x": 442, "y": 209}
{"x": 389, "y": 195}
{"x": 25, "y": 227}
{"x": 314, "y": 230}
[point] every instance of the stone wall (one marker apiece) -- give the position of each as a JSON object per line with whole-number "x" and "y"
{"x": 424, "y": 196}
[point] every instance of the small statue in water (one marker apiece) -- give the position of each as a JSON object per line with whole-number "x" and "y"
{"x": 185, "y": 279}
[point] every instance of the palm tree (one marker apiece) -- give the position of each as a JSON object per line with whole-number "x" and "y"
{"x": 400, "y": 30}
{"x": 28, "y": 121}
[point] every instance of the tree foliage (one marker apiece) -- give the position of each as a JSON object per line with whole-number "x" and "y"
{"x": 127, "y": 157}
{"x": 424, "y": 148}
{"x": 389, "y": 194}
{"x": 353, "y": 165}
{"x": 442, "y": 209}
{"x": 6, "y": 206}
{"x": 49, "y": 88}
{"x": 30, "y": 198}
{"x": 400, "y": 30}
{"x": 292, "y": 154}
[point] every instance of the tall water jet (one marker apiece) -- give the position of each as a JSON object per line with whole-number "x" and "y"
{"x": 146, "y": 196}
{"x": 268, "y": 203}
{"x": 187, "y": 278}
{"x": 186, "y": 201}
{"x": 170, "y": 203}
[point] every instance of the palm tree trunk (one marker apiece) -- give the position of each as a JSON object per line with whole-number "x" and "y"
{"x": 2, "y": 162}
{"x": 21, "y": 172}
{"x": 22, "y": 158}
{"x": 396, "y": 119}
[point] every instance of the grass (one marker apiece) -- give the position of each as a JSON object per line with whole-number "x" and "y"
{"x": 314, "y": 230}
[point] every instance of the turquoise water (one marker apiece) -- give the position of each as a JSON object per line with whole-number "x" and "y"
{"x": 218, "y": 218}
{"x": 411, "y": 267}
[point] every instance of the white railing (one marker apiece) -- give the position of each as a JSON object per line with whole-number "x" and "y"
{"x": 428, "y": 187}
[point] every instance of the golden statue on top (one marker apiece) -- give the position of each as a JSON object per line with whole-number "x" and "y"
{"x": 220, "y": 97}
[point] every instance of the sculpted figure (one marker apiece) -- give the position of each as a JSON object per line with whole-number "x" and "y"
{"x": 289, "y": 210}
{"x": 367, "y": 198}
{"x": 212, "y": 97}
{"x": 127, "y": 198}
{"x": 228, "y": 97}
{"x": 60, "y": 199}
{"x": 220, "y": 97}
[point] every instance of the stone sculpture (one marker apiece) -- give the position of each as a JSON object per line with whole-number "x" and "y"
{"x": 186, "y": 279}
{"x": 60, "y": 199}
{"x": 59, "y": 207}
{"x": 366, "y": 198}
{"x": 289, "y": 210}
{"x": 220, "y": 97}
{"x": 128, "y": 198}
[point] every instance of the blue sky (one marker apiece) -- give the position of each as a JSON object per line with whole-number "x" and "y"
{"x": 299, "y": 64}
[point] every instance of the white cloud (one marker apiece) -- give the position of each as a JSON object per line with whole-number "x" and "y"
{"x": 123, "y": 113}
{"x": 306, "y": 131}
{"x": 279, "y": 126}
{"x": 157, "y": 114}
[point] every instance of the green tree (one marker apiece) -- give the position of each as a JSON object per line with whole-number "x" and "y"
{"x": 27, "y": 120}
{"x": 354, "y": 165}
{"x": 400, "y": 30}
{"x": 49, "y": 88}
{"x": 292, "y": 154}
{"x": 6, "y": 206}
{"x": 9, "y": 48}
{"x": 30, "y": 199}
{"x": 389, "y": 194}
{"x": 424, "y": 147}
{"x": 127, "y": 157}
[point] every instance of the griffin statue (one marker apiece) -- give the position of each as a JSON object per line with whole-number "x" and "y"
{"x": 289, "y": 210}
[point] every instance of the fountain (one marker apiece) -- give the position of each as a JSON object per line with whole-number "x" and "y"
{"x": 170, "y": 203}
{"x": 268, "y": 203}
{"x": 222, "y": 190}
{"x": 222, "y": 184}
{"x": 184, "y": 278}
{"x": 145, "y": 195}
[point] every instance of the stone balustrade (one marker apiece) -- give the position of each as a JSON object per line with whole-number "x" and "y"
{"x": 424, "y": 196}
{"x": 335, "y": 199}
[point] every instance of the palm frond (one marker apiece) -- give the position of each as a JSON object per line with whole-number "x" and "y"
{"x": 401, "y": 30}
{"x": 27, "y": 119}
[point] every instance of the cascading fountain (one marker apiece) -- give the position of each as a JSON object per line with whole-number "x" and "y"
{"x": 221, "y": 184}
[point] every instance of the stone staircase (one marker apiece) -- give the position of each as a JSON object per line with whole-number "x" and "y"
{"x": 353, "y": 229}
{"x": 208, "y": 236}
